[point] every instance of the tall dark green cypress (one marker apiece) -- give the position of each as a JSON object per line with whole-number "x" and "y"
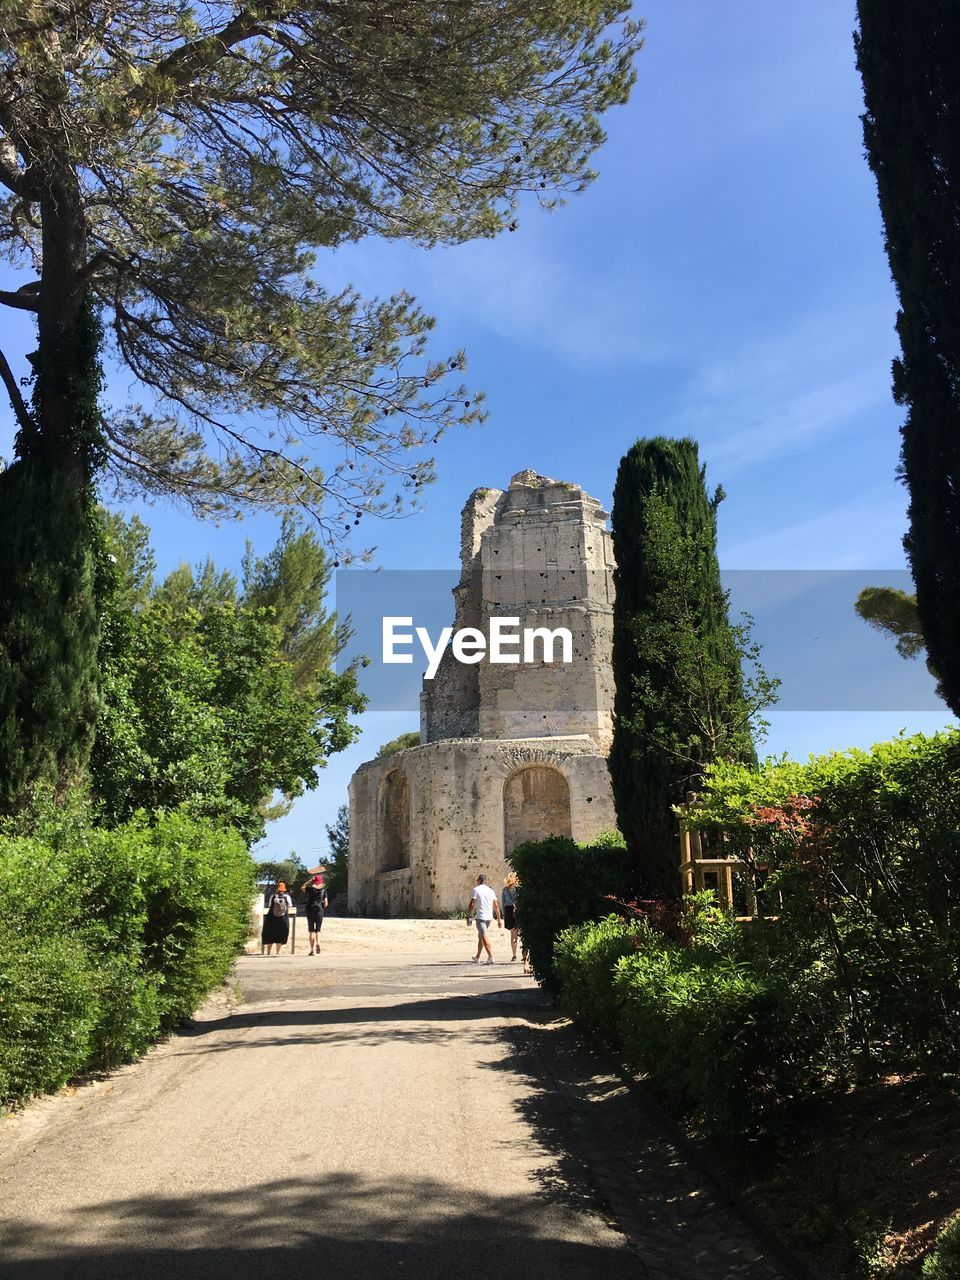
{"x": 679, "y": 695}
{"x": 909, "y": 57}
{"x": 51, "y": 565}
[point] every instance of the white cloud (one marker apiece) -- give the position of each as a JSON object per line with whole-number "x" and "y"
{"x": 863, "y": 533}
{"x": 778, "y": 395}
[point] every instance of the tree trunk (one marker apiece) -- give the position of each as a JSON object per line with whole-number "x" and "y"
{"x": 49, "y": 540}
{"x": 66, "y": 362}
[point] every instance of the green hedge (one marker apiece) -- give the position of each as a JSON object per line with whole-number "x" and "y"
{"x": 857, "y": 973}
{"x": 727, "y": 1027}
{"x": 563, "y": 883}
{"x": 110, "y": 938}
{"x": 865, "y": 849}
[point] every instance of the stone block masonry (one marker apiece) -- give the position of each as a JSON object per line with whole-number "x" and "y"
{"x": 508, "y": 752}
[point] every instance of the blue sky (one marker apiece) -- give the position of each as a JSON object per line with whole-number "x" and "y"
{"x": 723, "y": 278}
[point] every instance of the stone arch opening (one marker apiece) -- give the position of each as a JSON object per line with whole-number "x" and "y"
{"x": 395, "y": 825}
{"x": 536, "y": 804}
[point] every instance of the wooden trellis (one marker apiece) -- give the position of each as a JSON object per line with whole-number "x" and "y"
{"x": 702, "y": 869}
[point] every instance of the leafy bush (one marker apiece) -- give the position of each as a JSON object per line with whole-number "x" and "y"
{"x": 584, "y": 958}
{"x": 726, "y": 1026}
{"x": 563, "y": 884}
{"x": 48, "y": 1011}
{"x": 729, "y": 1036}
{"x": 865, "y": 850}
{"x": 109, "y": 938}
{"x": 943, "y": 1263}
{"x": 858, "y": 971}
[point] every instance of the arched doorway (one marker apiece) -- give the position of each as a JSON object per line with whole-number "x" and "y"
{"x": 395, "y": 822}
{"x": 536, "y": 804}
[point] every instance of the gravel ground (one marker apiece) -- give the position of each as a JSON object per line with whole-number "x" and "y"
{"x": 384, "y": 1107}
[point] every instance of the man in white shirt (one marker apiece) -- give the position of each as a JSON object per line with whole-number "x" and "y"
{"x": 484, "y": 906}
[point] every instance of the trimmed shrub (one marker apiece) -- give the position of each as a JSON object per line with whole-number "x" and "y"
{"x": 110, "y": 938}
{"x": 725, "y": 1038}
{"x": 727, "y": 1028}
{"x": 584, "y": 959}
{"x": 49, "y": 1007}
{"x": 943, "y": 1263}
{"x": 562, "y": 884}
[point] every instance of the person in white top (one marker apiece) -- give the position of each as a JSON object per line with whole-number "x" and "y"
{"x": 483, "y": 905}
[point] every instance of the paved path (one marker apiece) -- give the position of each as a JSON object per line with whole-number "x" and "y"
{"x": 385, "y": 1109}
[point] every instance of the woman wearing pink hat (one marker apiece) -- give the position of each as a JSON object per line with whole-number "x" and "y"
{"x": 316, "y": 891}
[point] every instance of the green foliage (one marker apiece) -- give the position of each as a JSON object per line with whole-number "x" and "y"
{"x": 681, "y": 697}
{"x": 48, "y": 1010}
{"x": 402, "y": 742}
{"x": 729, "y": 1034}
{"x": 292, "y": 871}
{"x": 210, "y": 703}
{"x": 338, "y": 861}
{"x": 909, "y": 64}
{"x": 856, "y": 972}
{"x": 584, "y": 959}
{"x": 51, "y": 566}
{"x": 202, "y": 588}
{"x": 110, "y": 938}
{"x": 201, "y": 158}
{"x": 563, "y": 884}
{"x": 728, "y": 1029}
{"x": 943, "y": 1263}
{"x": 292, "y": 582}
{"x": 126, "y": 541}
{"x": 864, "y": 849}
{"x": 895, "y": 613}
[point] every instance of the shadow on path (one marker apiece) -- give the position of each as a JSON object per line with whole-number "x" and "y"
{"x": 342, "y": 1227}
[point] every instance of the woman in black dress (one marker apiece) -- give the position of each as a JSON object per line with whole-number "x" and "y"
{"x": 276, "y": 919}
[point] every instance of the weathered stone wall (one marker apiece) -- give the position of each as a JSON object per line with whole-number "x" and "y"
{"x": 450, "y": 703}
{"x": 539, "y": 552}
{"x": 459, "y": 825}
{"x": 510, "y": 752}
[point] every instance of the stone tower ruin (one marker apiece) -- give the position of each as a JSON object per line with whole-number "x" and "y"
{"x": 507, "y": 752}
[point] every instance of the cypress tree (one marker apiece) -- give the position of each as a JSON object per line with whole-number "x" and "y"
{"x": 680, "y": 697}
{"x": 909, "y": 57}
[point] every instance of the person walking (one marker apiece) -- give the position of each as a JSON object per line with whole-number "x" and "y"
{"x": 316, "y": 891}
{"x": 508, "y": 899}
{"x": 276, "y": 919}
{"x": 483, "y": 905}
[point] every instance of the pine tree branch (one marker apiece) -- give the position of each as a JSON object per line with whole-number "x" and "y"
{"x": 184, "y": 64}
{"x": 13, "y": 391}
{"x": 20, "y": 300}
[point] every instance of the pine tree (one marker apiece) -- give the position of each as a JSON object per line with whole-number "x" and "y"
{"x": 292, "y": 582}
{"x": 174, "y": 170}
{"x": 909, "y": 57}
{"x": 681, "y": 698}
{"x": 180, "y": 166}
{"x": 338, "y": 861}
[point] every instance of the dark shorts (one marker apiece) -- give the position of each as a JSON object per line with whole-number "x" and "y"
{"x": 510, "y": 917}
{"x": 314, "y": 921}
